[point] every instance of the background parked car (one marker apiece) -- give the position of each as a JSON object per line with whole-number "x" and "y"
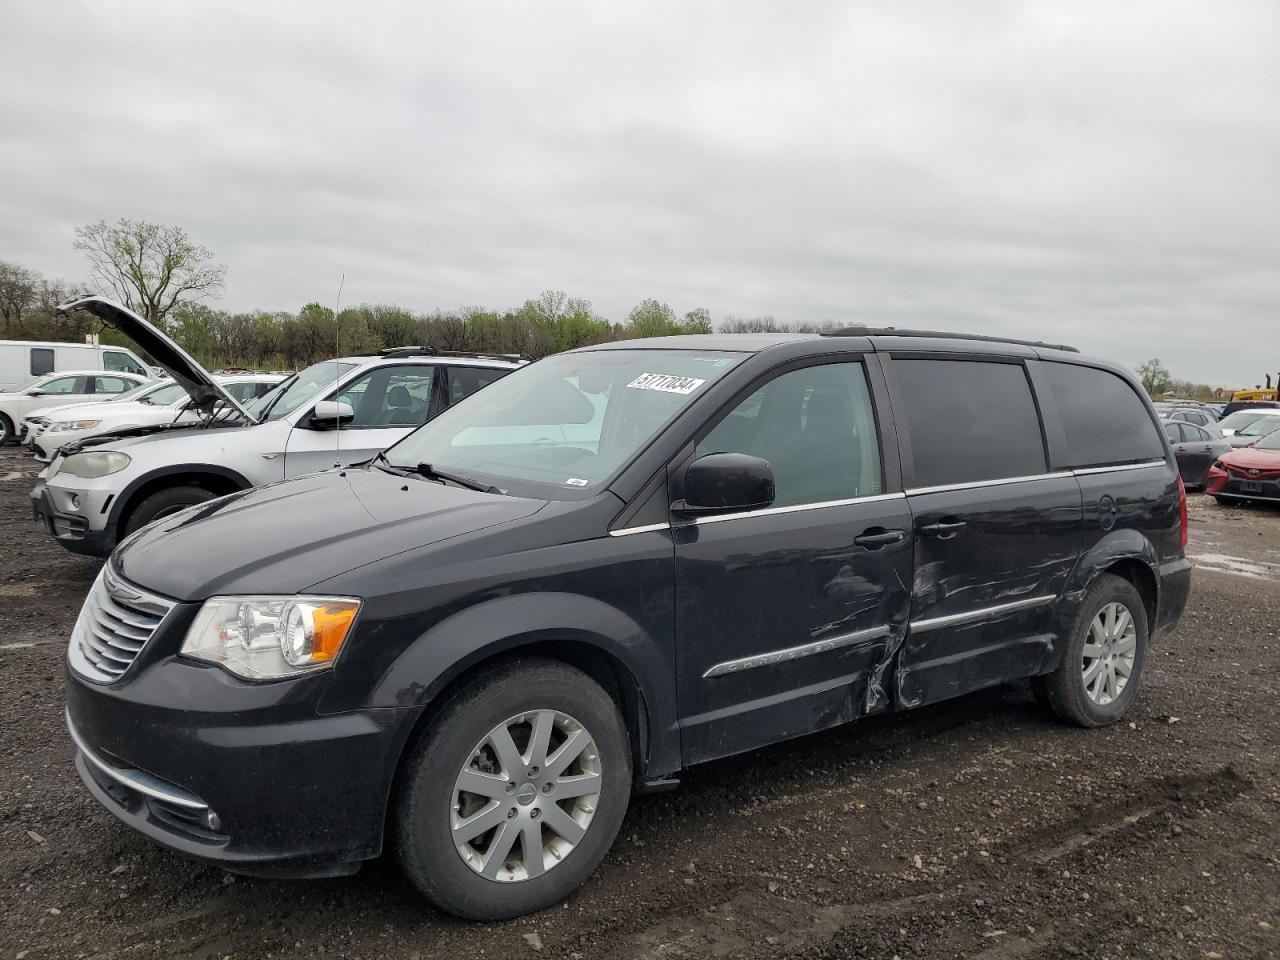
{"x": 1249, "y": 473}
{"x": 1261, "y": 427}
{"x": 1235, "y": 405}
{"x": 41, "y": 415}
{"x": 1200, "y": 416}
{"x": 1195, "y": 449}
{"x": 1241, "y": 419}
{"x": 22, "y": 362}
{"x": 165, "y": 403}
{"x": 72, "y": 386}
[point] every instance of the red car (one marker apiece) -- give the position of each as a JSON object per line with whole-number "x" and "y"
{"x": 1247, "y": 473}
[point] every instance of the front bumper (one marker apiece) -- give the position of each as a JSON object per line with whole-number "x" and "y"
{"x": 1233, "y": 485}
{"x": 72, "y": 528}
{"x": 246, "y": 776}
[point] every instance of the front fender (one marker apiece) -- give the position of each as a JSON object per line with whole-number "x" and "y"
{"x": 505, "y": 624}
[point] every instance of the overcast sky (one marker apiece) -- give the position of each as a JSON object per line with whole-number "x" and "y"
{"x": 1105, "y": 174}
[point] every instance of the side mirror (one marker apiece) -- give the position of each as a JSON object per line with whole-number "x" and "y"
{"x": 726, "y": 481}
{"x": 35, "y": 393}
{"x": 328, "y": 414}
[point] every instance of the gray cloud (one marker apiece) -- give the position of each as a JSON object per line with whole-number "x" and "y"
{"x": 1103, "y": 174}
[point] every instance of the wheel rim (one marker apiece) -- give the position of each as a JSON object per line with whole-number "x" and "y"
{"x": 1109, "y": 652}
{"x": 526, "y": 796}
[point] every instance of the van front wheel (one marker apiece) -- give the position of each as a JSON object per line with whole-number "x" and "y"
{"x": 1101, "y": 667}
{"x": 515, "y": 791}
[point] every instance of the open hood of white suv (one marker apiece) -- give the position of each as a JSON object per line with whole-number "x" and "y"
{"x": 205, "y": 392}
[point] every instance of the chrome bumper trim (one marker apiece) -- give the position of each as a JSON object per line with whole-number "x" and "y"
{"x": 136, "y": 780}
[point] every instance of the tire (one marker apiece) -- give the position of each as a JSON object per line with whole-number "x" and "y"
{"x": 1098, "y": 704}
{"x": 163, "y": 503}
{"x": 429, "y": 806}
{"x": 7, "y": 432}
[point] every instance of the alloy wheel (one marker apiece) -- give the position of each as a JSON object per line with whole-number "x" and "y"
{"x": 526, "y": 796}
{"x": 1109, "y": 652}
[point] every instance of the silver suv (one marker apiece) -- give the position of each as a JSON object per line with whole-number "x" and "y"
{"x": 337, "y": 412}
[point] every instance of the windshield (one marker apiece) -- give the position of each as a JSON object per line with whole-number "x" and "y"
{"x": 1239, "y": 419}
{"x": 165, "y": 395}
{"x": 137, "y": 393}
{"x": 294, "y": 392}
{"x": 1260, "y": 427}
{"x": 569, "y": 421}
{"x": 1270, "y": 442}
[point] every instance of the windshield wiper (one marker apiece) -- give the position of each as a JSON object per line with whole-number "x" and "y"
{"x": 429, "y": 472}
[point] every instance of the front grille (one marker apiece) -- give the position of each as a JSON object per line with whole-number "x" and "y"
{"x": 115, "y": 623}
{"x": 1258, "y": 473}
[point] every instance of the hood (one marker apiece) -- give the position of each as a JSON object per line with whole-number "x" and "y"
{"x": 1246, "y": 457}
{"x": 78, "y": 411}
{"x": 287, "y": 536}
{"x": 204, "y": 391}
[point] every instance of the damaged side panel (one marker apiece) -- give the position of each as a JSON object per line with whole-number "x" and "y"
{"x": 990, "y": 564}
{"x": 785, "y": 623}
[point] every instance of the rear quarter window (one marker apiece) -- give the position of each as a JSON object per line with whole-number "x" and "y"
{"x": 1105, "y": 420}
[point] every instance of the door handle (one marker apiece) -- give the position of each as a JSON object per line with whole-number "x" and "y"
{"x": 943, "y": 530}
{"x": 876, "y": 537}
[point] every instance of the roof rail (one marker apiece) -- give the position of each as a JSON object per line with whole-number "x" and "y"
{"x": 940, "y": 335}
{"x": 429, "y": 351}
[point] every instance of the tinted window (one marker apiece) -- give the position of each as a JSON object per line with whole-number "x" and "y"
{"x": 1104, "y": 418}
{"x": 390, "y": 397}
{"x": 1195, "y": 434}
{"x": 816, "y": 428}
{"x": 464, "y": 381}
{"x": 1173, "y": 431}
{"x": 969, "y": 420}
{"x": 41, "y": 361}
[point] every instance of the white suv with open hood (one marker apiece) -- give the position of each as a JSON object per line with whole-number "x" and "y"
{"x": 161, "y": 403}
{"x": 98, "y": 490}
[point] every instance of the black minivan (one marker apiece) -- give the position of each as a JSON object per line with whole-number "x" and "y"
{"x": 610, "y": 565}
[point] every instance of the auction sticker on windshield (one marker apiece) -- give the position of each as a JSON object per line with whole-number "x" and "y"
{"x": 666, "y": 383}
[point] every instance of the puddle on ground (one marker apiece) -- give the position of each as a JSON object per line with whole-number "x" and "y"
{"x": 1239, "y": 566}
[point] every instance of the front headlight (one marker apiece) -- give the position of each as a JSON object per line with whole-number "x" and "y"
{"x": 73, "y": 425}
{"x": 265, "y": 638}
{"x": 96, "y": 463}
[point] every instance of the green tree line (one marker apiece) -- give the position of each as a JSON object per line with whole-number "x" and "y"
{"x": 263, "y": 339}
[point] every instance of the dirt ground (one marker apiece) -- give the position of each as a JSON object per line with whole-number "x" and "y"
{"x": 979, "y": 828}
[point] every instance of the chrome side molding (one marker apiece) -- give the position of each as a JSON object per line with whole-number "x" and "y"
{"x": 976, "y": 616}
{"x": 795, "y": 653}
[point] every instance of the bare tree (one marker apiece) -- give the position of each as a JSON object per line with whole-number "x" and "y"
{"x": 1154, "y": 376}
{"x": 148, "y": 267}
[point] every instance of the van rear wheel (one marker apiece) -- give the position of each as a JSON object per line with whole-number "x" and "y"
{"x": 1101, "y": 667}
{"x": 515, "y": 791}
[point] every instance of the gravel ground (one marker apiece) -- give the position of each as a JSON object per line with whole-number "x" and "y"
{"x": 979, "y": 828}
